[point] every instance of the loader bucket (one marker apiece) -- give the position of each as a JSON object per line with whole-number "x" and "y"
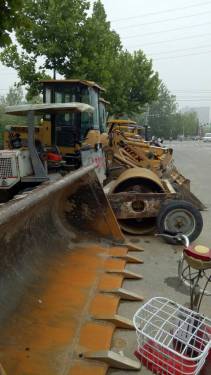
{"x": 62, "y": 267}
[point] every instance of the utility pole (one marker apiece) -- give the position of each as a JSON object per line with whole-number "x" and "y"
{"x": 146, "y": 122}
{"x": 54, "y": 69}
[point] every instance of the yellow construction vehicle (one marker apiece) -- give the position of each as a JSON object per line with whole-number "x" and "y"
{"x": 129, "y": 149}
{"x": 128, "y": 127}
{"x": 63, "y": 265}
{"x": 69, "y": 131}
{"x": 133, "y": 166}
{"x": 27, "y": 162}
{"x": 144, "y": 166}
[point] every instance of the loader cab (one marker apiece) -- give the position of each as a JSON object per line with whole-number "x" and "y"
{"x": 103, "y": 114}
{"x": 126, "y": 126}
{"x": 69, "y": 130}
{"x": 28, "y": 162}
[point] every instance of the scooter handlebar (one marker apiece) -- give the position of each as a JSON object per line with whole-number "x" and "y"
{"x": 179, "y": 237}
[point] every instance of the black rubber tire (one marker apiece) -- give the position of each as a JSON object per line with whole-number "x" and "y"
{"x": 189, "y": 209}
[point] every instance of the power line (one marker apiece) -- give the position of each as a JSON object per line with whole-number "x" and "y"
{"x": 178, "y": 50}
{"x": 166, "y": 20}
{"x": 172, "y": 40}
{"x": 191, "y": 92}
{"x": 194, "y": 95}
{"x": 193, "y": 100}
{"x": 196, "y": 98}
{"x": 162, "y": 11}
{"x": 175, "y": 57}
{"x": 165, "y": 31}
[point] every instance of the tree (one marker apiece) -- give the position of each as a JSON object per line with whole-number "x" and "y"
{"x": 54, "y": 34}
{"x": 164, "y": 119}
{"x": 133, "y": 83}
{"x": 100, "y": 47}
{"x": 15, "y": 96}
{"x": 186, "y": 124}
{"x": 11, "y": 18}
{"x": 80, "y": 46}
{"x": 161, "y": 113}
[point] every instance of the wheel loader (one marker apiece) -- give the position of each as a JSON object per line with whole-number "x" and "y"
{"x": 63, "y": 266}
{"x": 142, "y": 183}
{"x": 26, "y": 163}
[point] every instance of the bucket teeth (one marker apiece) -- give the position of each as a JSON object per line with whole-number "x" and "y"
{"x": 114, "y": 360}
{"x": 132, "y": 247}
{"x": 124, "y": 294}
{"x": 122, "y": 253}
{"x": 126, "y": 274}
{"x": 118, "y": 320}
{"x": 129, "y": 259}
{"x": 129, "y": 247}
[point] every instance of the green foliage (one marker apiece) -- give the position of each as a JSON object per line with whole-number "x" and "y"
{"x": 55, "y": 31}
{"x": 54, "y": 34}
{"x": 164, "y": 119}
{"x": 100, "y": 47}
{"x": 185, "y": 124}
{"x": 61, "y": 36}
{"x": 133, "y": 83}
{"x": 11, "y": 18}
{"x": 161, "y": 113}
{"x": 15, "y": 96}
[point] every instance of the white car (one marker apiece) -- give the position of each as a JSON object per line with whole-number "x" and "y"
{"x": 207, "y": 137}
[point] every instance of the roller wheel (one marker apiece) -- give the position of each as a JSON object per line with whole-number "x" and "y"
{"x": 180, "y": 217}
{"x": 138, "y": 226}
{"x": 138, "y": 180}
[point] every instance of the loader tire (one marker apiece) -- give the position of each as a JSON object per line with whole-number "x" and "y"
{"x": 180, "y": 217}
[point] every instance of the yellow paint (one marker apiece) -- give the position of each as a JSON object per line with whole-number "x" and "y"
{"x": 52, "y": 323}
{"x": 201, "y": 249}
{"x": 81, "y": 369}
{"x": 42, "y": 133}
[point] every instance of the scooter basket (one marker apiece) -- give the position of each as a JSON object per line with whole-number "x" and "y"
{"x": 172, "y": 340}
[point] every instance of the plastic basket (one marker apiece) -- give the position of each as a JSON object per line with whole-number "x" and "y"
{"x": 172, "y": 340}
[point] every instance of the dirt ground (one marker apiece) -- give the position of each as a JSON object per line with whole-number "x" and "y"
{"x": 159, "y": 270}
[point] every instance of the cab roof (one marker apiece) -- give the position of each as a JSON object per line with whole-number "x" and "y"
{"x": 22, "y": 110}
{"x": 122, "y": 122}
{"x": 102, "y": 100}
{"x": 66, "y": 81}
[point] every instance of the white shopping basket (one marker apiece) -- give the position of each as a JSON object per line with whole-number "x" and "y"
{"x": 172, "y": 339}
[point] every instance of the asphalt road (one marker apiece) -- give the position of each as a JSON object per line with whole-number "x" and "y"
{"x": 194, "y": 160}
{"x": 159, "y": 270}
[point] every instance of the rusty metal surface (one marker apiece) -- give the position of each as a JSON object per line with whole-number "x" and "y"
{"x": 137, "y": 216}
{"x": 136, "y": 174}
{"x": 55, "y": 257}
{"x": 138, "y": 205}
{"x": 182, "y": 186}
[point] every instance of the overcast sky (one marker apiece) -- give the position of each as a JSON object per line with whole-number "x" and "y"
{"x": 175, "y": 34}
